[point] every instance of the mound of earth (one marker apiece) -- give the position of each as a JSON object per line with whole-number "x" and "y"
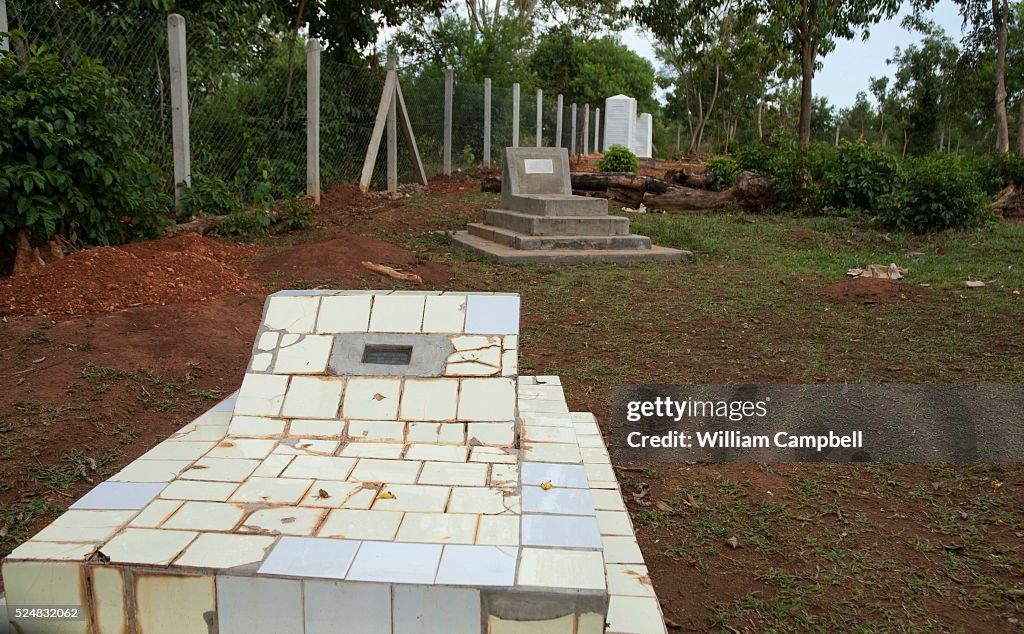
{"x": 337, "y": 262}
{"x": 869, "y": 290}
{"x": 184, "y": 268}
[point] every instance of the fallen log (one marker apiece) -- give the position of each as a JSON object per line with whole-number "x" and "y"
{"x": 602, "y": 181}
{"x": 686, "y": 178}
{"x": 201, "y": 225}
{"x": 1009, "y": 203}
{"x": 689, "y": 200}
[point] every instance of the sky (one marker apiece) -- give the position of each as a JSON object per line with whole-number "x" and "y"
{"x": 846, "y": 70}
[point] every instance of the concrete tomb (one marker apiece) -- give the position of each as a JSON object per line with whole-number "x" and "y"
{"x": 383, "y": 468}
{"x": 540, "y": 220}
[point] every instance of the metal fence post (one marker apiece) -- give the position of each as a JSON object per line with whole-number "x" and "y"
{"x": 4, "y": 46}
{"x": 449, "y": 80}
{"x": 572, "y": 130}
{"x": 558, "y": 124}
{"x": 515, "y": 115}
{"x": 487, "y": 122}
{"x": 540, "y": 117}
{"x": 586, "y": 128}
{"x": 313, "y": 119}
{"x": 597, "y": 130}
{"x": 179, "y": 103}
{"x": 392, "y": 138}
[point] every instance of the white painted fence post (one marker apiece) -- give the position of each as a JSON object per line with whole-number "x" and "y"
{"x": 586, "y": 128}
{"x": 487, "y": 122}
{"x": 449, "y": 81}
{"x": 179, "y": 103}
{"x": 597, "y": 130}
{"x": 572, "y": 130}
{"x": 4, "y": 45}
{"x": 515, "y": 115}
{"x": 540, "y": 117}
{"x": 313, "y": 119}
{"x": 392, "y": 136}
{"x": 558, "y": 123}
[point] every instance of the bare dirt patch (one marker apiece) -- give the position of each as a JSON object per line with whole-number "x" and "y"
{"x": 868, "y": 290}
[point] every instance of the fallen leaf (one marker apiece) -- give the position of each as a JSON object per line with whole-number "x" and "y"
{"x": 733, "y": 542}
{"x": 287, "y": 520}
{"x": 661, "y": 505}
{"x": 386, "y": 495}
{"x": 379, "y": 397}
{"x": 996, "y": 484}
{"x": 547, "y": 485}
{"x": 974, "y": 283}
{"x": 322, "y": 495}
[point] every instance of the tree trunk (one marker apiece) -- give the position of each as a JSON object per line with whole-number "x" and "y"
{"x": 1001, "y": 16}
{"x": 807, "y": 55}
{"x": 760, "y": 110}
{"x": 1020, "y": 129}
{"x": 291, "y": 57}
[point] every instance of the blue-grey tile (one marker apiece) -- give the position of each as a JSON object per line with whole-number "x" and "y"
{"x": 464, "y": 565}
{"x": 251, "y": 605}
{"x": 395, "y": 562}
{"x": 561, "y": 530}
{"x": 431, "y": 610}
{"x": 310, "y": 557}
{"x": 557, "y": 500}
{"x": 333, "y": 607}
{"x": 116, "y": 496}
{"x": 492, "y": 315}
{"x": 568, "y": 476}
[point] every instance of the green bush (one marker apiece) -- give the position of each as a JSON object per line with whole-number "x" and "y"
{"x": 210, "y": 196}
{"x": 724, "y": 170}
{"x": 618, "y": 158}
{"x": 68, "y": 163}
{"x": 857, "y": 176}
{"x": 780, "y": 161}
{"x": 295, "y": 213}
{"x": 996, "y": 171}
{"x": 939, "y": 191}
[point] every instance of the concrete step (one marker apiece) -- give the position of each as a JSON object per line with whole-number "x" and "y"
{"x": 534, "y": 225}
{"x": 508, "y": 255}
{"x": 555, "y": 205}
{"x": 523, "y": 241}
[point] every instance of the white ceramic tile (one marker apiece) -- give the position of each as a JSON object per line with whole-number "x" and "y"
{"x": 377, "y": 430}
{"x": 504, "y": 475}
{"x": 493, "y": 455}
{"x": 454, "y": 473}
{"x": 559, "y": 568}
{"x": 548, "y": 380}
{"x": 591, "y": 442}
{"x": 429, "y": 399}
{"x": 629, "y": 579}
{"x": 209, "y": 516}
{"x": 568, "y": 531}
{"x": 307, "y": 356}
{"x": 310, "y": 557}
{"x": 614, "y": 523}
{"x": 536, "y": 433}
{"x": 84, "y": 526}
{"x": 272, "y": 466}
{"x": 436, "y": 433}
{"x": 621, "y": 549}
{"x": 306, "y": 447}
{"x": 344, "y": 313}
{"x": 114, "y": 496}
{"x": 478, "y": 566}
{"x": 562, "y": 476}
{"x": 193, "y": 432}
{"x": 397, "y": 313}
{"x": 261, "y": 395}
{"x": 147, "y": 546}
{"x": 369, "y": 398}
{"x": 557, "y": 500}
{"x": 361, "y": 524}
{"x": 319, "y": 467}
{"x": 413, "y": 497}
{"x": 334, "y": 494}
{"x": 284, "y": 520}
{"x": 392, "y": 562}
{"x": 155, "y": 513}
{"x": 313, "y": 397}
{"x": 444, "y": 313}
{"x": 583, "y": 417}
{"x": 543, "y": 406}
{"x": 438, "y": 528}
{"x": 108, "y": 598}
{"x": 173, "y": 604}
{"x": 439, "y": 453}
{"x": 607, "y": 500}
{"x": 63, "y": 551}
{"x": 261, "y": 362}
{"x": 221, "y": 469}
{"x": 359, "y": 449}
{"x": 600, "y": 473}
{"x": 552, "y": 452}
{"x": 482, "y": 500}
{"x": 509, "y": 363}
{"x": 362, "y": 607}
{"x": 216, "y": 550}
{"x": 585, "y": 428}
{"x": 256, "y": 426}
{"x": 43, "y": 584}
{"x": 251, "y": 448}
{"x": 208, "y": 491}
{"x": 476, "y": 349}
{"x": 177, "y": 450}
{"x": 487, "y": 399}
{"x": 272, "y": 490}
{"x": 393, "y": 471}
{"x": 546, "y": 419}
{"x": 309, "y": 428}
{"x": 495, "y": 314}
{"x": 260, "y": 605}
{"x": 292, "y": 314}
{"x": 430, "y": 610}
{"x": 267, "y": 341}
{"x": 499, "y": 434}
{"x": 150, "y": 471}
{"x": 634, "y": 615}
{"x": 498, "y": 530}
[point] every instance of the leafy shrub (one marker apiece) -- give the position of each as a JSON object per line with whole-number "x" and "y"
{"x": 724, "y": 170}
{"x": 939, "y": 191}
{"x": 781, "y": 162}
{"x": 618, "y": 158}
{"x": 295, "y": 214}
{"x": 210, "y": 196}
{"x": 996, "y": 171}
{"x": 68, "y": 163}
{"x": 857, "y": 175}
{"x": 245, "y": 222}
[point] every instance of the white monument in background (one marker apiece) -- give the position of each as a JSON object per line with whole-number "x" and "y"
{"x": 623, "y": 127}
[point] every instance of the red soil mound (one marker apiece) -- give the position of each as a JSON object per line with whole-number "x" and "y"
{"x": 185, "y": 268}
{"x": 869, "y": 290}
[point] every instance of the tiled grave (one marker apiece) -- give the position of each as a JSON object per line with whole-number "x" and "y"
{"x": 382, "y": 464}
